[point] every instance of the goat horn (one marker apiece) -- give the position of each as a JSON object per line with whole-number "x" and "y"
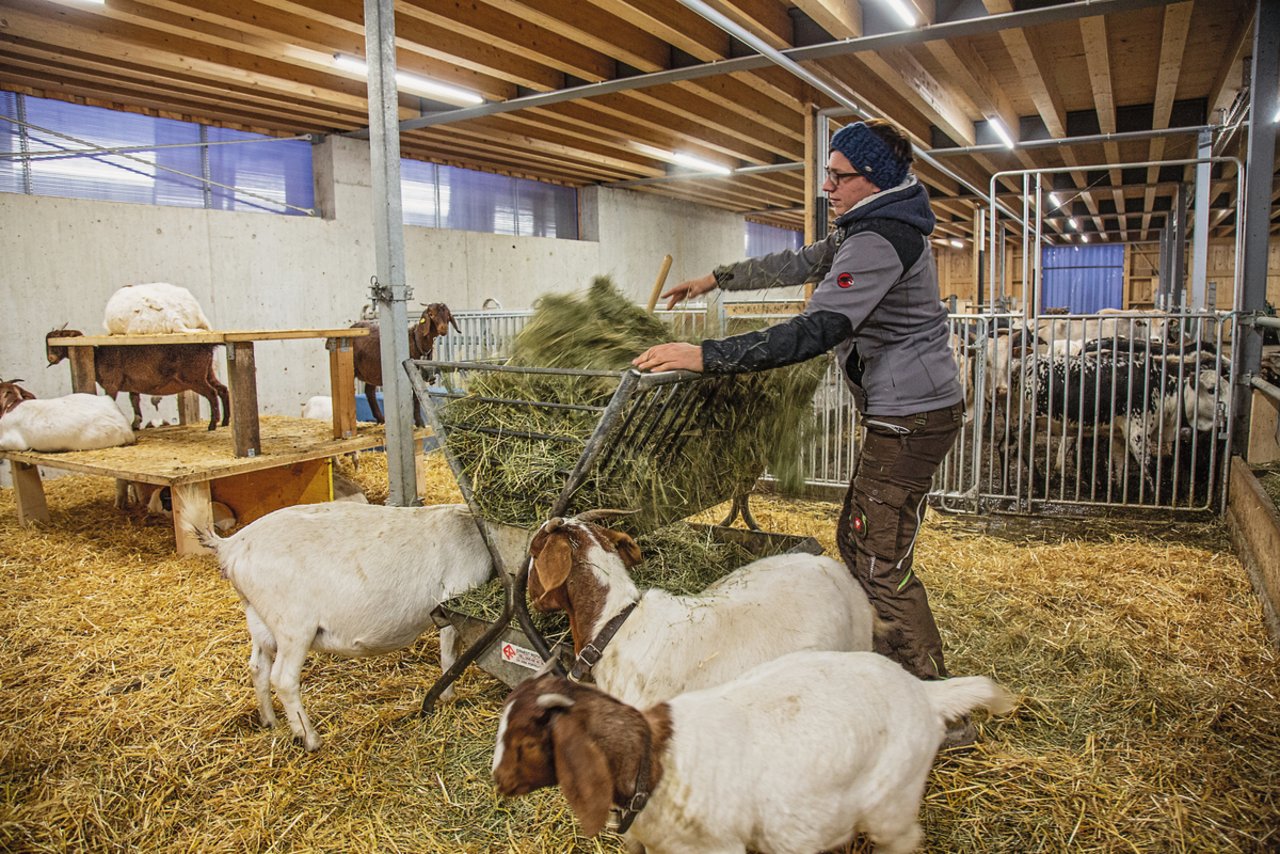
{"x": 593, "y": 515}
{"x": 552, "y": 524}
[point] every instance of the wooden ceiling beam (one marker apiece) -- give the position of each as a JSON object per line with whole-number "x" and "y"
{"x": 1028, "y": 55}
{"x": 592, "y": 26}
{"x": 1173, "y": 43}
{"x": 680, "y": 27}
{"x": 841, "y": 18}
{"x": 1222, "y": 91}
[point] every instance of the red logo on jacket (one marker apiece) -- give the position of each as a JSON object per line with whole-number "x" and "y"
{"x": 845, "y": 280}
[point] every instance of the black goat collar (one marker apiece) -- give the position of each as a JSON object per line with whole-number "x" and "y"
{"x": 591, "y": 653}
{"x": 627, "y": 814}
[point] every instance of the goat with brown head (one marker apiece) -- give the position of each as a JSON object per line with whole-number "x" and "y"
{"x": 599, "y": 750}
{"x": 12, "y": 394}
{"x": 560, "y": 544}
{"x": 434, "y": 323}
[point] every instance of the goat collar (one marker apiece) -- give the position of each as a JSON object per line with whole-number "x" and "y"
{"x": 625, "y": 815}
{"x": 593, "y": 651}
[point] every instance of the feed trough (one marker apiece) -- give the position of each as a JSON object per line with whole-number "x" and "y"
{"x": 527, "y": 444}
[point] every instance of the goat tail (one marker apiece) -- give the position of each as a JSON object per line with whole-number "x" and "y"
{"x": 207, "y": 536}
{"x": 954, "y": 698}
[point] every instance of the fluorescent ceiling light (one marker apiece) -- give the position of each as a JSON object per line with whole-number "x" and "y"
{"x": 1055, "y": 199}
{"x": 904, "y": 10}
{"x": 1084, "y": 238}
{"x": 1001, "y": 131}
{"x": 414, "y": 84}
{"x": 699, "y": 164}
{"x": 957, "y": 243}
{"x": 1277, "y": 118}
{"x": 1071, "y": 221}
{"x": 681, "y": 159}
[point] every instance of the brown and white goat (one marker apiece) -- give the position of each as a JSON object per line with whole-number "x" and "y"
{"x": 73, "y": 422}
{"x": 668, "y": 643}
{"x": 155, "y": 369}
{"x": 796, "y": 755}
{"x": 12, "y": 394}
{"x": 367, "y": 351}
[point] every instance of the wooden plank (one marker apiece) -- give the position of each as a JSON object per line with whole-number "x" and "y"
{"x": 209, "y": 337}
{"x": 255, "y": 494}
{"x": 342, "y": 386}
{"x": 189, "y": 407}
{"x": 192, "y": 511}
{"x": 1255, "y": 533}
{"x": 29, "y": 492}
{"x": 1263, "y": 422}
{"x": 242, "y": 381}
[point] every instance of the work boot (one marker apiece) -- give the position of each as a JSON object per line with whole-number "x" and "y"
{"x": 960, "y": 733}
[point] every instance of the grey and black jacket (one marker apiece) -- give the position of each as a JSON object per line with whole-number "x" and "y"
{"x": 876, "y": 303}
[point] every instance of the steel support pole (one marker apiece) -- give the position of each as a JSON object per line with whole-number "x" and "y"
{"x": 1257, "y": 204}
{"x": 1177, "y": 228}
{"x": 1200, "y": 233}
{"x": 390, "y": 291}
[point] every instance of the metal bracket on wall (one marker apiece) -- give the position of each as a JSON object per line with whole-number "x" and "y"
{"x": 385, "y": 293}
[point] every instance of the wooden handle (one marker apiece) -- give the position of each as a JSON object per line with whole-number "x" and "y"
{"x": 662, "y": 280}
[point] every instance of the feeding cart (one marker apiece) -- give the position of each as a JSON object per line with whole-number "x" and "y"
{"x": 527, "y": 444}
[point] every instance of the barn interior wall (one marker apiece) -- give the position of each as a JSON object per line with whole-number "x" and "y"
{"x": 64, "y": 257}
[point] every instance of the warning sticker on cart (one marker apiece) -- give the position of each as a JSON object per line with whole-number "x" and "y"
{"x": 521, "y": 656}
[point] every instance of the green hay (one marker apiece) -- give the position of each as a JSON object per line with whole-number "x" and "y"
{"x": 733, "y": 428}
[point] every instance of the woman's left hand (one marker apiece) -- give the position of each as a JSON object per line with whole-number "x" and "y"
{"x": 676, "y": 356}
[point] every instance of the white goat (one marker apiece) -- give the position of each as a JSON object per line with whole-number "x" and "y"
{"x": 669, "y": 644}
{"x": 73, "y": 422}
{"x": 152, "y": 308}
{"x": 794, "y": 757}
{"x": 319, "y": 407}
{"x": 349, "y": 579}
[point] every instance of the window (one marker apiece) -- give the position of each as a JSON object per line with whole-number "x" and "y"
{"x": 764, "y": 239}
{"x": 449, "y": 197}
{"x": 152, "y": 160}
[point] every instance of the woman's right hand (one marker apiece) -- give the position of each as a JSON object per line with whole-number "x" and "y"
{"x": 689, "y": 289}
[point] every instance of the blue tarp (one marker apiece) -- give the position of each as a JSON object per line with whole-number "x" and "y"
{"x": 1083, "y": 279}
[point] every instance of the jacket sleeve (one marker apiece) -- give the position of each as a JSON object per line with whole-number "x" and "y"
{"x": 780, "y": 269}
{"x": 800, "y": 338}
{"x": 863, "y": 271}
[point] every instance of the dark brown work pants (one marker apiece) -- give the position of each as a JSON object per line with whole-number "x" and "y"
{"x": 878, "y": 527}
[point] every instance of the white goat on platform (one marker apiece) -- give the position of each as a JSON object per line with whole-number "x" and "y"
{"x": 155, "y": 307}
{"x": 349, "y": 579}
{"x": 669, "y": 644}
{"x": 794, "y": 757}
{"x": 73, "y": 422}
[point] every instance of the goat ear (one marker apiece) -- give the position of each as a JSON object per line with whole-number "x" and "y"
{"x": 553, "y": 563}
{"x": 583, "y": 773}
{"x": 624, "y": 545}
{"x": 553, "y": 701}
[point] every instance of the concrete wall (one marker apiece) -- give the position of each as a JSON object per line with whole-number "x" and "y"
{"x": 62, "y": 259}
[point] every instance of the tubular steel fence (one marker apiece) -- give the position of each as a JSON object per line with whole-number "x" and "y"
{"x": 1114, "y": 412}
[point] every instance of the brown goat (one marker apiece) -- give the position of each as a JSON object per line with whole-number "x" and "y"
{"x": 11, "y": 394}
{"x": 155, "y": 369}
{"x": 367, "y": 351}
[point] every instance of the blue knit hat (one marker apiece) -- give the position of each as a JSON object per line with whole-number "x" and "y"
{"x": 870, "y": 155}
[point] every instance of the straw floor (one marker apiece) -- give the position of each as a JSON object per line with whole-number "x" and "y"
{"x": 1148, "y": 722}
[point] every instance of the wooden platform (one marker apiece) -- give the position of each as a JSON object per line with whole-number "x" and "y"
{"x": 200, "y": 466}
{"x": 242, "y": 380}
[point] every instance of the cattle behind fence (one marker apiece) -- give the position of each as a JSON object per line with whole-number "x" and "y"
{"x": 1117, "y": 410}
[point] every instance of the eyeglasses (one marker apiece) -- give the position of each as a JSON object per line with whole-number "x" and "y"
{"x": 836, "y": 177}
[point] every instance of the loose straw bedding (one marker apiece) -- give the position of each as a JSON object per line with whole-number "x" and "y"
{"x": 1148, "y": 722}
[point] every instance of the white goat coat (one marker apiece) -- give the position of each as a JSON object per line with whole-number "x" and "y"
{"x": 796, "y": 755}
{"x": 770, "y": 607}
{"x": 349, "y": 579}
{"x": 319, "y": 407}
{"x": 73, "y": 422}
{"x": 153, "y": 308}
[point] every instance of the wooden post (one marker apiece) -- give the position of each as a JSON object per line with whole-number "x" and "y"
{"x": 30, "y": 493}
{"x": 342, "y": 386}
{"x": 192, "y": 511}
{"x": 83, "y": 379}
{"x": 189, "y": 408}
{"x": 242, "y": 382}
